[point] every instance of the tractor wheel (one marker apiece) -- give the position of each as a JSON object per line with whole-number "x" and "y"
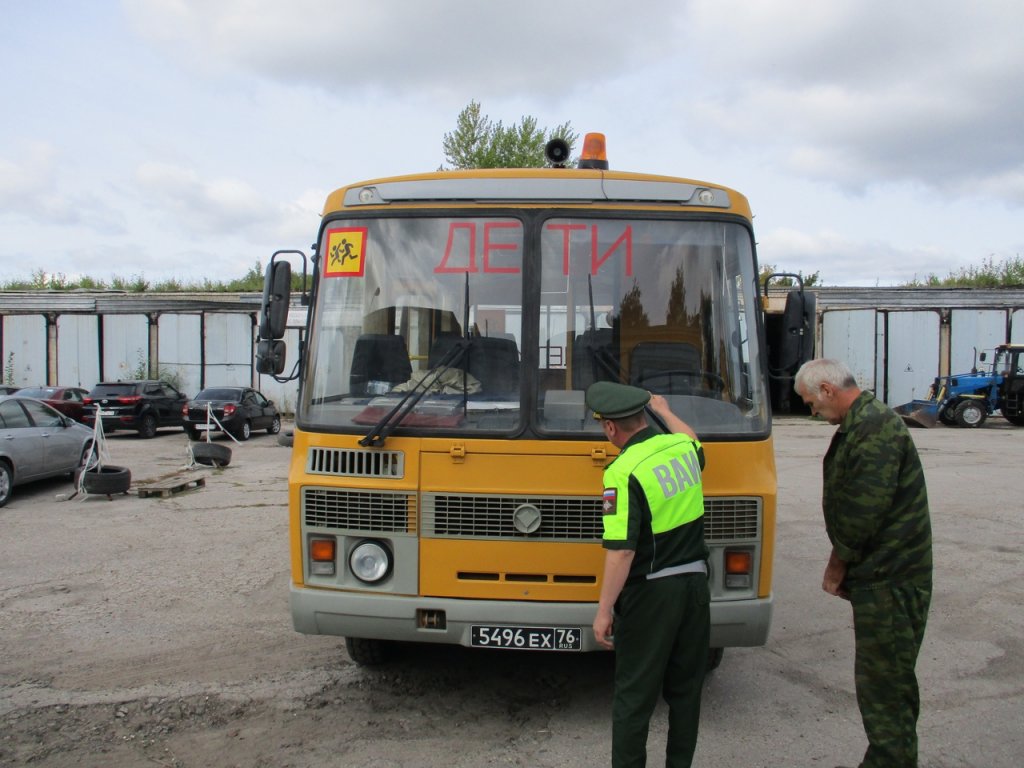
{"x": 970, "y": 414}
{"x": 1017, "y": 419}
{"x": 947, "y": 417}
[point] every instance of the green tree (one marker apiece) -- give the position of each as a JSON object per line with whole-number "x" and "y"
{"x": 478, "y": 142}
{"x": 809, "y": 281}
{"x": 1008, "y": 273}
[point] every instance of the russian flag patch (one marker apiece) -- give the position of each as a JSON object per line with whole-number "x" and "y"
{"x": 608, "y": 502}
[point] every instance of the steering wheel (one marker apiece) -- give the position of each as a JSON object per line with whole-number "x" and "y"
{"x": 716, "y": 382}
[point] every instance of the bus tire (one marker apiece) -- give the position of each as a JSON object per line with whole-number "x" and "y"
{"x": 714, "y": 658}
{"x": 366, "y": 652}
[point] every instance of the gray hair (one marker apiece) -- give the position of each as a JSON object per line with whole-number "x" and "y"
{"x": 814, "y": 373}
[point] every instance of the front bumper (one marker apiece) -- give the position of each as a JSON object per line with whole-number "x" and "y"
{"x": 389, "y": 617}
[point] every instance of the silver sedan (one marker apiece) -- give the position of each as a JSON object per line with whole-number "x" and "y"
{"x": 36, "y": 442}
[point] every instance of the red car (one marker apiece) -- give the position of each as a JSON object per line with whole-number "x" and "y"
{"x": 67, "y": 400}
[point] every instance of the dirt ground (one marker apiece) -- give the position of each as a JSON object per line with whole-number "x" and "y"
{"x": 155, "y": 631}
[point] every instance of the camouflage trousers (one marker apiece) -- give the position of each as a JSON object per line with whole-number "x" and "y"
{"x": 889, "y": 623}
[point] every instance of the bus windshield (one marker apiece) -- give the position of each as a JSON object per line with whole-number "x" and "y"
{"x": 497, "y": 324}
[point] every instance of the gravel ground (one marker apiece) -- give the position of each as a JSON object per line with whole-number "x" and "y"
{"x": 155, "y": 631}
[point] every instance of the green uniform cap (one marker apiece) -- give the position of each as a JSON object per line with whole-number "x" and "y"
{"x": 609, "y": 400}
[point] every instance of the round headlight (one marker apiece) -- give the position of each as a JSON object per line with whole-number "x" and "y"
{"x": 370, "y": 561}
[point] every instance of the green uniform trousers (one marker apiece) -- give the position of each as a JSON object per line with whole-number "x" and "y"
{"x": 662, "y": 631}
{"x": 888, "y": 623}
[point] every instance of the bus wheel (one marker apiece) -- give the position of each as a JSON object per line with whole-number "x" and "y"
{"x": 714, "y": 658}
{"x": 366, "y": 652}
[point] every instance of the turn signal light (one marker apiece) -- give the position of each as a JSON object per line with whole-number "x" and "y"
{"x": 321, "y": 556}
{"x": 739, "y": 566}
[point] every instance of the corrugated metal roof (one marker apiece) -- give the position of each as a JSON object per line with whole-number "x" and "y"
{"x": 112, "y": 302}
{"x": 911, "y": 298}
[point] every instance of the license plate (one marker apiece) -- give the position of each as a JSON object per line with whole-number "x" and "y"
{"x": 527, "y": 638}
{"x": 201, "y": 427}
{"x": 107, "y": 413}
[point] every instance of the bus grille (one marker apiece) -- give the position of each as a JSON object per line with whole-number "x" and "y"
{"x": 370, "y": 511}
{"x": 491, "y": 517}
{"x": 347, "y": 462}
{"x": 567, "y": 518}
{"x": 731, "y": 518}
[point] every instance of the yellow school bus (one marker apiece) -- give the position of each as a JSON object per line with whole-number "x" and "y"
{"x": 446, "y": 475}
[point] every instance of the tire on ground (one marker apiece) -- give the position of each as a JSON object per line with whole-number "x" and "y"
{"x": 107, "y": 480}
{"x": 211, "y": 454}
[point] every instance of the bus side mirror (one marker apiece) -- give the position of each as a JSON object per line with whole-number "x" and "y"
{"x": 277, "y": 283}
{"x": 270, "y": 356}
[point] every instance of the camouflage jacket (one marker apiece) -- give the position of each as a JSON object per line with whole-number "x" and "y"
{"x": 875, "y": 500}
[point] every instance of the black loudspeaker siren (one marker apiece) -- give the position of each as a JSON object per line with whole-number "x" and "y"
{"x": 556, "y": 152}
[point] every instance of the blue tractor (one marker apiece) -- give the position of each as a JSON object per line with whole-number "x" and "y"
{"x": 967, "y": 399}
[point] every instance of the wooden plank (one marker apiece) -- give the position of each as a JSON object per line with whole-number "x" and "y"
{"x": 171, "y": 486}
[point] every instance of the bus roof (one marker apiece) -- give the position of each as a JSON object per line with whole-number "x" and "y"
{"x": 538, "y": 186}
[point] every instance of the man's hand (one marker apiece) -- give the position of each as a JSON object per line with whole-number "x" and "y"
{"x": 835, "y": 574}
{"x": 616, "y": 569}
{"x": 604, "y": 625}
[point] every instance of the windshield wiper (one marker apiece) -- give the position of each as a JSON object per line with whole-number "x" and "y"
{"x": 376, "y": 436}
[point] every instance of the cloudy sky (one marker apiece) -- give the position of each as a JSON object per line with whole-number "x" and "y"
{"x": 878, "y": 142}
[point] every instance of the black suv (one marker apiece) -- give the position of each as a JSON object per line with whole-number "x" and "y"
{"x": 144, "y": 406}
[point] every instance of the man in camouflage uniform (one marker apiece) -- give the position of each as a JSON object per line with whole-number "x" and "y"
{"x": 876, "y": 515}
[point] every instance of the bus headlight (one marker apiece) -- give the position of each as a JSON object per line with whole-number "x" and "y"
{"x": 370, "y": 561}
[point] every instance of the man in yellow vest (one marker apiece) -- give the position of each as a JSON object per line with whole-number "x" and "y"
{"x": 654, "y": 605}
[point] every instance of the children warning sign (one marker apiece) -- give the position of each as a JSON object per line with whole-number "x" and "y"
{"x": 346, "y": 252}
